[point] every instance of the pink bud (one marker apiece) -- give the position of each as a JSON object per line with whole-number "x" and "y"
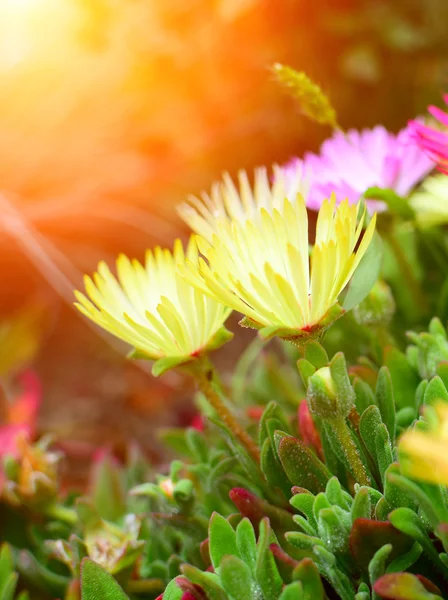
{"x": 307, "y": 428}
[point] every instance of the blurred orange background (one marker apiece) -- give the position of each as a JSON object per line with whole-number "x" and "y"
{"x": 111, "y": 111}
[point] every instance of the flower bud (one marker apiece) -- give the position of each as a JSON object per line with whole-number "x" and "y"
{"x": 330, "y": 394}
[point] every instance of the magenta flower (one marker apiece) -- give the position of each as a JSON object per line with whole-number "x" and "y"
{"x": 350, "y": 163}
{"x": 431, "y": 140}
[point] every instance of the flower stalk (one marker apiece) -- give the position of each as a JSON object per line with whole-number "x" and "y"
{"x": 207, "y": 379}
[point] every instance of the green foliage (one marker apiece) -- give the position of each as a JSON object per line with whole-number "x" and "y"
{"x": 96, "y": 583}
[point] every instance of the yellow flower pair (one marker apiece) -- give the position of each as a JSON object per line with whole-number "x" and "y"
{"x": 256, "y": 259}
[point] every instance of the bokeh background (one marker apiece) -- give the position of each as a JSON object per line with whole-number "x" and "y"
{"x": 111, "y": 111}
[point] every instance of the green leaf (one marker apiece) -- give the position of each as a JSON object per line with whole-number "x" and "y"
{"x": 266, "y": 572}
{"x": 405, "y": 561}
{"x": 336, "y": 495}
{"x": 272, "y": 469}
{"x": 96, "y": 583}
{"x": 163, "y": 365}
{"x": 304, "y": 502}
{"x": 173, "y": 591}
{"x": 369, "y": 425}
{"x": 303, "y": 541}
{"x": 6, "y": 567}
{"x": 246, "y": 543}
{"x": 385, "y": 400}
{"x": 236, "y": 579}
{"x": 108, "y": 494}
{"x": 197, "y": 444}
{"x": 302, "y": 466}
{"x": 404, "y": 379}
{"x": 222, "y": 539}
{"x": 308, "y": 574}
{"x": 377, "y": 566}
{"x": 306, "y": 369}
{"x": 316, "y": 354}
{"x": 293, "y": 591}
{"x": 9, "y": 587}
{"x": 365, "y": 275}
{"x": 435, "y": 391}
{"x": 408, "y": 522}
{"x": 383, "y": 450}
{"x": 40, "y": 576}
{"x": 208, "y": 581}
{"x": 362, "y": 506}
{"x": 272, "y": 411}
{"x": 364, "y": 395}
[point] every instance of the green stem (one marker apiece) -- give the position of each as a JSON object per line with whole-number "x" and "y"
{"x": 348, "y": 447}
{"x": 205, "y": 374}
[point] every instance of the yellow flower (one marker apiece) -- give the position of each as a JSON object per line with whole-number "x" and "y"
{"x": 154, "y": 309}
{"x": 424, "y": 453}
{"x": 430, "y": 203}
{"x": 262, "y": 268}
{"x": 226, "y": 202}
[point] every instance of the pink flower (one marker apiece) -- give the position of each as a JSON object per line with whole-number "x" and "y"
{"x": 350, "y": 163}
{"x": 431, "y": 140}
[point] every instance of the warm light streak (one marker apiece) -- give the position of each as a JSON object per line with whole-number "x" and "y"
{"x": 28, "y": 28}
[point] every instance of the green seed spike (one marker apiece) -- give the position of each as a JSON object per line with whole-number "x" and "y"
{"x": 313, "y": 102}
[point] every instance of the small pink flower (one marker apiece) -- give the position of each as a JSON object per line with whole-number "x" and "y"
{"x": 350, "y": 163}
{"x": 432, "y": 141}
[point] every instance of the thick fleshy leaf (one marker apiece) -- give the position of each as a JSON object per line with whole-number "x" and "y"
{"x": 272, "y": 469}
{"x": 209, "y": 582}
{"x": 302, "y": 466}
{"x": 377, "y": 566}
{"x": 96, "y": 583}
{"x": 163, "y": 365}
{"x": 266, "y": 572}
{"x": 404, "y": 379}
{"x": 236, "y": 579}
{"x": 246, "y": 543}
{"x": 435, "y": 391}
{"x": 405, "y": 586}
{"x": 107, "y": 489}
{"x": 410, "y": 523}
{"x": 255, "y": 509}
{"x": 308, "y": 574}
{"x": 33, "y": 571}
{"x": 369, "y": 425}
{"x": 316, "y": 354}
{"x": 293, "y": 591}
{"x": 6, "y": 567}
{"x": 385, "y": 400}
{"x": 364, "y": 395}
{"x": 222, "y": 539}
{"x": 365, "y": 275}
{"x": 368, "y": 536}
